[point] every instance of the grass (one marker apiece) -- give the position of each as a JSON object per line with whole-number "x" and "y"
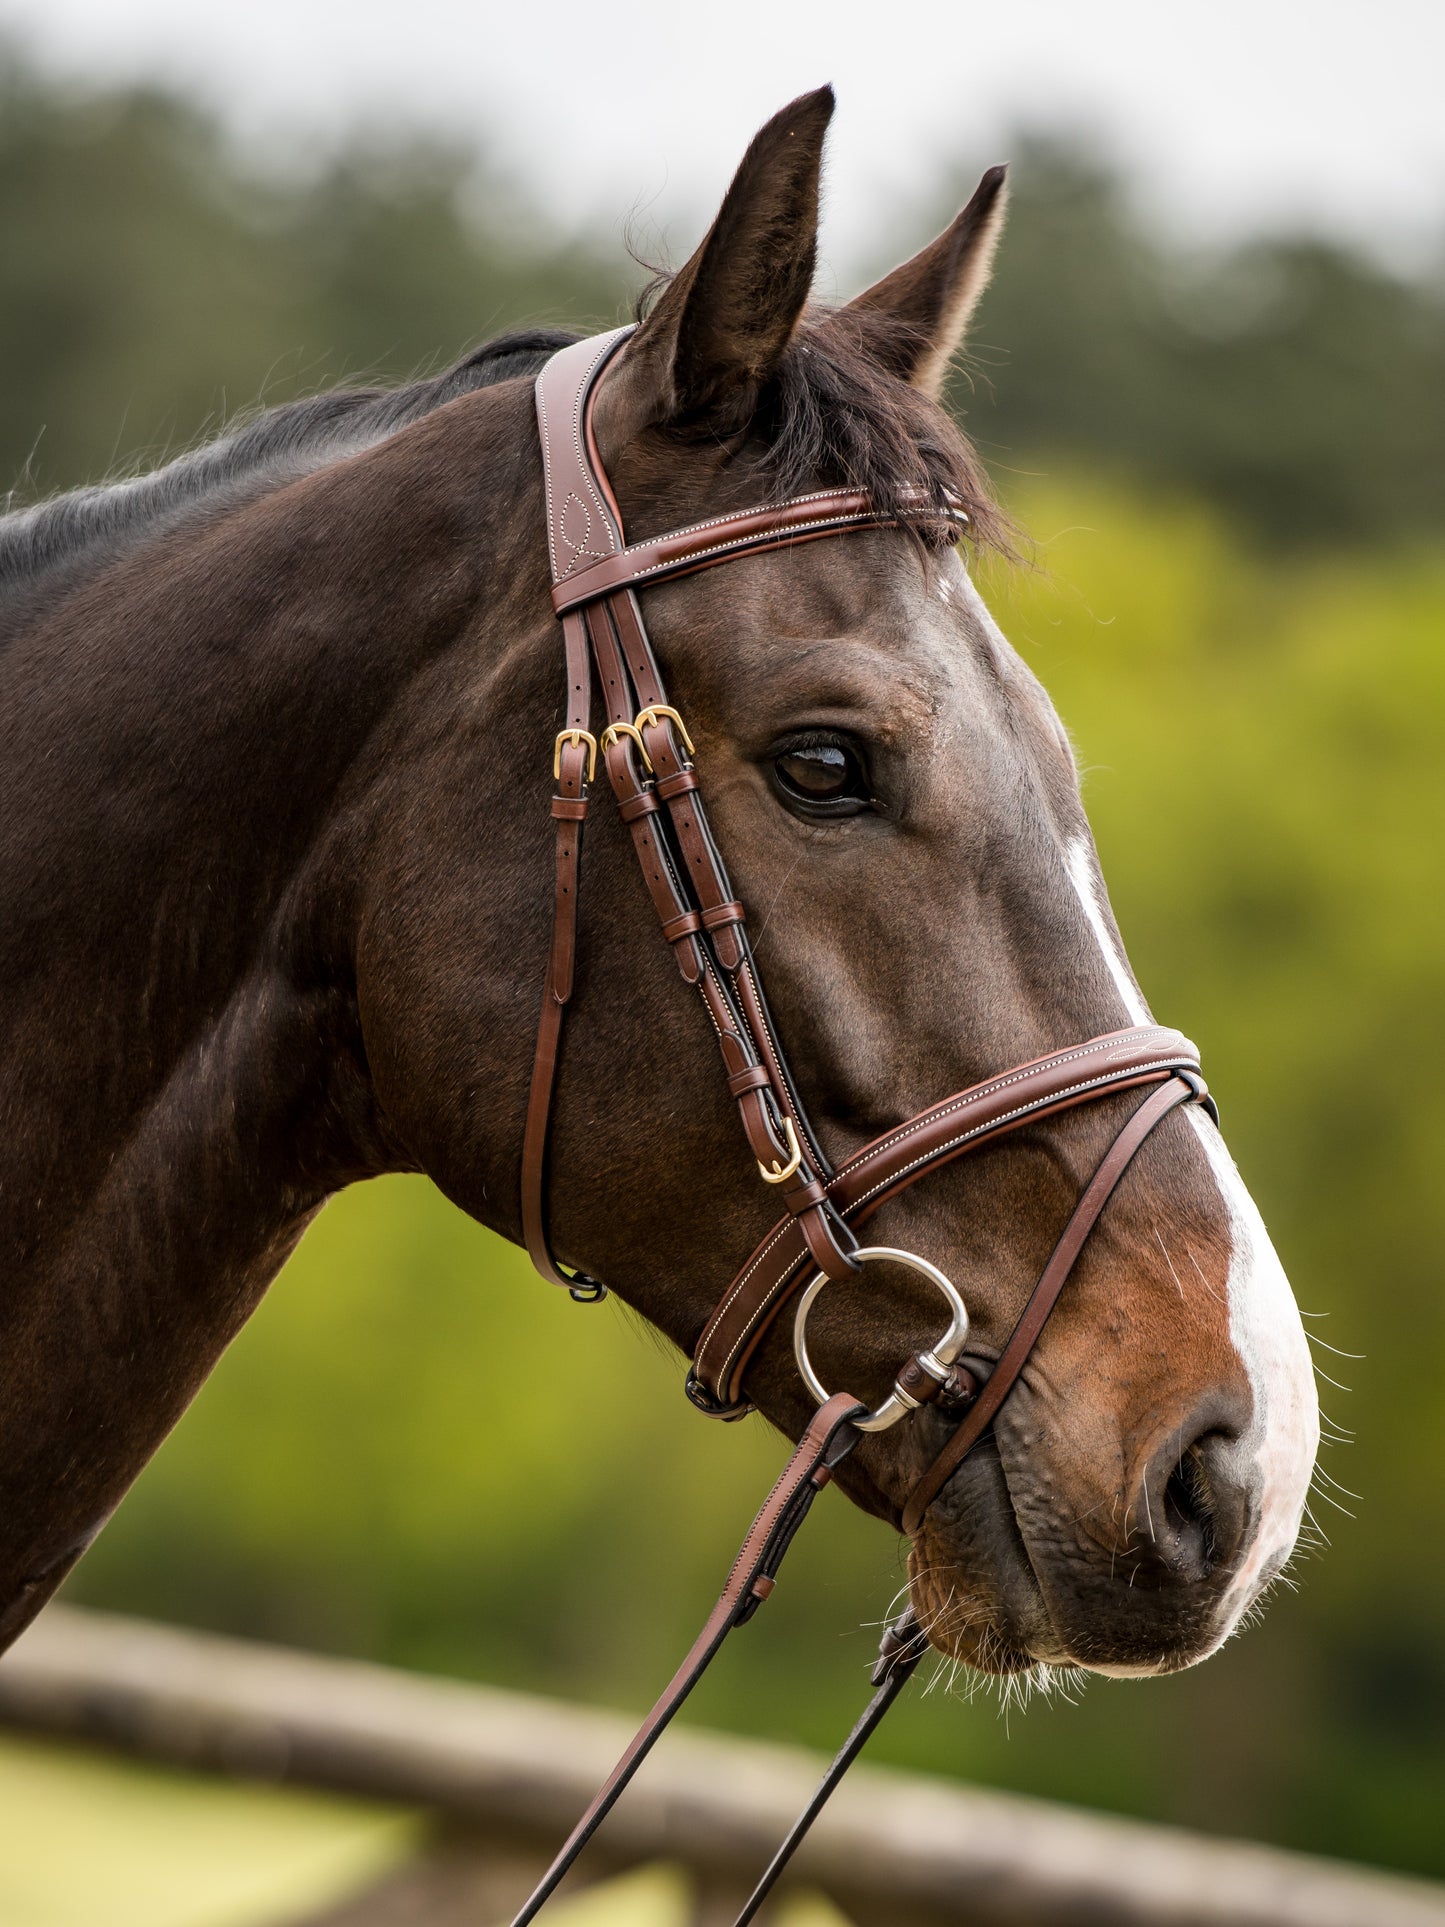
{"x": 87, "y": 1840}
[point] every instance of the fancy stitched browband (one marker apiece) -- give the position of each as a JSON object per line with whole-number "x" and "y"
{"x": 649, "y": 761}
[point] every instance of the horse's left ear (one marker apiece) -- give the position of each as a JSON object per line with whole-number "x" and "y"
{"x": 930, "y": 299}
{"x": 724, "y": 320}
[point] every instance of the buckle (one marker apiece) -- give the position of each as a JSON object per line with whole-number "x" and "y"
{"x": 615, "y": 732}
{"x": 776, "y": 1173}
{"x": 584, "y": 739}
{"x": 651, "y": 718}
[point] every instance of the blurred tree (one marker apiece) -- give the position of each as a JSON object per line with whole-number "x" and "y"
{"x": 1298, "y": 385}
{"x": 152, "y": 285}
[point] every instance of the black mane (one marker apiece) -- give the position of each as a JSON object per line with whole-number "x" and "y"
{"x": 271, "y": 449}
{"x": 834, "y": 413}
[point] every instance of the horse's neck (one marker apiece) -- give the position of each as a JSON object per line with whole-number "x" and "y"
{"x": 181, "y": 1075}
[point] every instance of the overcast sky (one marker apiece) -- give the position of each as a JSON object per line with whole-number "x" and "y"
{"x": 1239, "y": 114}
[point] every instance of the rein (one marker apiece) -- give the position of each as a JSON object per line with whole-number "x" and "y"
{"x": 648, "y": 757}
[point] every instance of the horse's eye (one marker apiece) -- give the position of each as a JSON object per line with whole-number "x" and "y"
{"x": 822, "y": 779}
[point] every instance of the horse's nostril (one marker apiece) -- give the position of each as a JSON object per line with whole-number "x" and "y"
{"x": 1189, "y": 1507}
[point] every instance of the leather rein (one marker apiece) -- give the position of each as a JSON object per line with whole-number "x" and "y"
{"x": 648, "y": 757}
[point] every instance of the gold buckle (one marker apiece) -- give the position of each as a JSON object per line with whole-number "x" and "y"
{"x": 650, "y": 717}
{"x": 776, "y": 1173}
{"x": 615, "y": 732}
{"x": 584, "y": 740}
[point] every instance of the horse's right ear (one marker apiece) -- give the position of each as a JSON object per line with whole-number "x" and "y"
{"x": 724, "y": 320}
{"x": 925, "y": 306}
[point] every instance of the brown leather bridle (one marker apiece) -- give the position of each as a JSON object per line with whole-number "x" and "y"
{"x": 648, "y": 756}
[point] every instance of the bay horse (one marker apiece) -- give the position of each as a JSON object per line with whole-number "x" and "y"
{"x": 275, "y": 869}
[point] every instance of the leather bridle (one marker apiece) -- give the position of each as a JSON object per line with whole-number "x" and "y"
{"x": 648, "y": 757}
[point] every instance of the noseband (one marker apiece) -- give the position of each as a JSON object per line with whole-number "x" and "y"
{"x": 648, "y": 756}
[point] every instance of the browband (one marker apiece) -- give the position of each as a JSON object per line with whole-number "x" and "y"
{"x": 724, "y": 537}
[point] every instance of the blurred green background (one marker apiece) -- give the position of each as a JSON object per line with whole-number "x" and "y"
{"x": 1234, "y": 469}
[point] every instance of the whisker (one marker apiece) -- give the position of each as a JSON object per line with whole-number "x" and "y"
{"x": 1170, "y": 1262}
{"x": 1323, "y": 1536}
{"x": 1314, "y": 1340}
{"x": 1321, "y": 1473}
{"x": 1332, "y": 1381}
{"x": 1202, "y": 1279}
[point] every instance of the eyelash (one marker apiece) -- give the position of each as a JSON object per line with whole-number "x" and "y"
{"x": 845, "y": 757}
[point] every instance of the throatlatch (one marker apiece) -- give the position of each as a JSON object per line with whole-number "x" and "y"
{"x": 648, "y": 756}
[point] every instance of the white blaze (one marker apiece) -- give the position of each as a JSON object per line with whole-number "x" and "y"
{"x": 1276, "y": 1455}
{"x": 1080, "y": 860}
{"x": 1267, "y": 1332}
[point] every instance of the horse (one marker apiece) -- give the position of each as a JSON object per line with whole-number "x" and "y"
{"x": 276, "y": 868}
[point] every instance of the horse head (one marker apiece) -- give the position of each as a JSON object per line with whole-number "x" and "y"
{"x": 900, "y": 809}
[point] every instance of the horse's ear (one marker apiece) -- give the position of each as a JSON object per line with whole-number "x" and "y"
{"x": 721, "y": 325}
{"x": 929, "y": 299}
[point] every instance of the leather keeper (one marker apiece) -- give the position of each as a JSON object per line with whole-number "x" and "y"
{"x": 805, "y": 1197}
{"x": 678, "y": 784}
{"x": 570, "y": 808}
{"x": 823, "y": 1247}
{"x": 645, "y": 803}
{"x": 722, "y": 913}
{"x": 686, "y": 925}
{"x": 754, "y": 1078}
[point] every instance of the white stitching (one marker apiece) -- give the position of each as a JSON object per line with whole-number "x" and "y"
{"x": 765, "y": 508}
{"x": 742, "y": 543}
{"x": 942, "y": 1150}
{"x": 779, "y": 1231}
{"x": 604, "y": 344}
{"x": 990, "y": 1089}
{"x": 762, "y": 508}
{"x": 577, "y": 548}
{"x": 767, "y": 1033}
{"x": 546, "y": 474}
{"x": 993, "y": 1124}
{"x": 584, "y": 467}
{"x": 777, "y": 535}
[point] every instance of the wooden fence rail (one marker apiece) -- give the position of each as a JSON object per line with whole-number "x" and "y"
{"x": 506, "y": 1774}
